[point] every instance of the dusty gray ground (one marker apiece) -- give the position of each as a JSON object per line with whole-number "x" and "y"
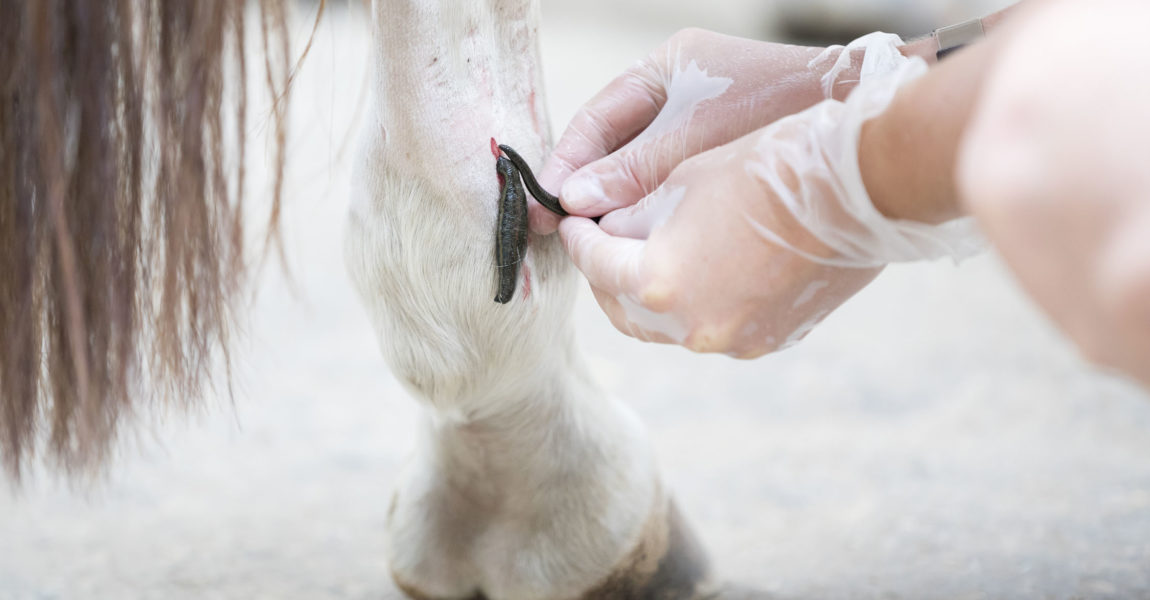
{"x": 933, "y": 439}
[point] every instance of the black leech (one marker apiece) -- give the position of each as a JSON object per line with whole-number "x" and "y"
{"x": 541, "y": 195}
{"x": 511, "y": 232}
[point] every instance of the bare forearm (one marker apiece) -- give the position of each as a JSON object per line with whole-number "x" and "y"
{"x": 907, "y": 155}
{"x": 1053, "y": 166}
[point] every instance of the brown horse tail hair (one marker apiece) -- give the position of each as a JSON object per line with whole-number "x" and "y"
{"x": 122, "y": 141}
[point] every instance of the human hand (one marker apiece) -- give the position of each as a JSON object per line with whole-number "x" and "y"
{"x": 697, "y": 91}
{"x": 745, "y": 248}
{"x": 1055, "y": 169}
{"x": 689, "y": 264}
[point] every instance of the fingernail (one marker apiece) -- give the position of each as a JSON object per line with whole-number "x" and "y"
{"x": 583, "y": 193}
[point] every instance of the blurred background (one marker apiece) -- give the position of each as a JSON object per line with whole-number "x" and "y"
{"x": 935, "y": 438}
{"x": 800, "y": 20}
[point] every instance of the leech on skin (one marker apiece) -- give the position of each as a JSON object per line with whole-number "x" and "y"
{"x": 545, "y": 199}
{"x": 511, "y": 228}
{"x": 511, "y": 232}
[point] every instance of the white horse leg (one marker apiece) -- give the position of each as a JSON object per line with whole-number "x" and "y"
{"x": 528, "y": 481}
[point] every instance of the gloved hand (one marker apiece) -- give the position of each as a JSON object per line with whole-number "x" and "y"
{"x": 697, "y": 91}
{"x": 745, "y": 248}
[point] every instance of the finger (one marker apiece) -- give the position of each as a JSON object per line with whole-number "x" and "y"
{"x": 606, "y": 122}
{"x": 614, "y": 311}
{"x": 611, "y": 264}
{"x": 639, "y": 220}
{"x": 619, "y": 318}
{"x": 626, "y": 176}
{"x": 541, "y": 220}
{"x": 685, "y": 126}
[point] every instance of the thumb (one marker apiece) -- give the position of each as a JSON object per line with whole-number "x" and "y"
{"x": 630, "y": 174}
{"x": 615, "y": 115}
{"x": 606, "y": 122}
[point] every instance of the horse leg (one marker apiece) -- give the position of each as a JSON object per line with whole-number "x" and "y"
{"x": 528, "y": 480}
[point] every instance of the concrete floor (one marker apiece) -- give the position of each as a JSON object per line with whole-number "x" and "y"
{"x": 934, "y": 439}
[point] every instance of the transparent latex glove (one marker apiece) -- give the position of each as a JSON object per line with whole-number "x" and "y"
{"x": 697, "y": 91}
{"x": 1055, "y": 167}
{"x": 745, "y": 248}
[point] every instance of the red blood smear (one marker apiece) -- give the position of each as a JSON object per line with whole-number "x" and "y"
{"x": 495, "y": 150}
{"x": 526, "y": 282}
